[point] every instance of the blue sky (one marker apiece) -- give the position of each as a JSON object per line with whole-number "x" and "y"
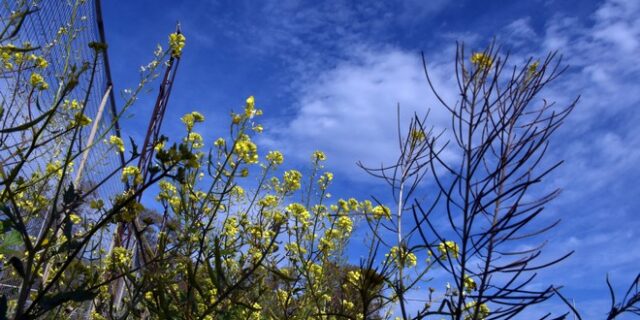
{"x": 329, "y": 75}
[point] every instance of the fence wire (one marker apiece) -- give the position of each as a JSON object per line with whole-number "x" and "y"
{"x": 63, "y": 30}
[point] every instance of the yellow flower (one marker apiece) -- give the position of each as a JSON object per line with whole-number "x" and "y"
{"x": 381, "y": 211}
{"x": 533, "y": 68}
{"x": 402, "y": 258}
{"x": 231, "y": 227}
{"x": 117, "y": 142}
{"x": 246, "y": 150}
{"x": 354, "y": 277}
{"x": 54, "y": 168}
{"x": 159, "y": 146}
{"x": 324, "y": 180}
{"x": 315, "y": 269}
{"x": 481, "y": 60}
{"x": 250, "y": 107}
{"x": 345, "y": 223}
{"x": 219, "y": 142}
{"x": 348, "y": 304}
{"x": 469, "y": 284}
{"x": 257, "y": 128}
{"x": 37, "y": 81}
{"x": 483, "y": 310}
{"x": 197, "y": 116}
{"x": 448, "y": 248}
{"x": 269, "y": 201}
{"x": 236, "y": 118}
{"x": 41, "y": 62}
{"x": 74, "y": 218}
{"x": 195, "y": 139}
{"x": 299, "y": 211}
{"x": 292, "y": 180}
{"x": 282, "y": 295}
{"x": 275, "y": 157}
{"x": 80, "y": 119}
{"x": 237, "y": 191}
{"x": 176, "y": 43}
{"x": 417, "y": 136}
{"x": 190, "y": 119}
{"x": 318, "y": 156}
{"x": 256, "y": 313}
{"x": 295, "y": 249}
{"x": 131, "y": 171}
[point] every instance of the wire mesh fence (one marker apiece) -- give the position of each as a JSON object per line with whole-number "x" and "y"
{"x": 61, "y": 31}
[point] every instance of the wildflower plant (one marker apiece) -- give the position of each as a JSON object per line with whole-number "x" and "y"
{"x": 233, "y": 233}
{"x": 52, "y": 227}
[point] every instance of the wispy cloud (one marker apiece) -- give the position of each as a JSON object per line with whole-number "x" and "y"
{"x": 350, "y": 112}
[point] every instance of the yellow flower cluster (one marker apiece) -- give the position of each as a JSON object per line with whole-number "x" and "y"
{"x": 481, "y": 60}
{"x": 417, "y": 136}
{"x": 74, "y": 218}
{"x": 318, "y": 156}
{"x": 37, "y": 81}
{"x": 80, "y": 119}
{"x": 269, "y": 201}
{"x": 533, "y": 68}
{"x": 299, "y": 212}
{"x": 231, "y": 227}
{"x": 176, "y": 43}
{"x": 483, "y": 310}
{"x": 275, "y": 158}
{"x": 71, "y": 104}
{"x": 295, "y": 249}
{"x": 345, "y": 223}
{"x": 131, "y": 171}
{"x": 381, "y": 211}
{"x": 10, "y": 57}
{"x": 117, "y": 142}
{"x": 190, "y": 119}
{"x": 292, "y": 180}
{"x": 195, "y": 139}
{"x": 246, "y": 150}
{"x": 469, "y": 284}
{"x": 120, "y": 257}
{"x": 54, "y": 167}
{"x": 402, "y": 258}
{"x": 220, "y": 142}
{"x": 250, "y": 107}
{"x": 325, "y": 180}
{"x": 354, "y": 277}
{"x": 448, "y": 249}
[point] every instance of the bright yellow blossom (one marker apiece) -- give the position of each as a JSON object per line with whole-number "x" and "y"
{"x": 345, "y": 223}
{"x": 37, "y": 81}
{"x": 448, "y": 249}
{"x": 275, "y": 158}
{"x": 481, "y": 60}
{"x": 176, "y": 43}
{"x": 117, "y": 142}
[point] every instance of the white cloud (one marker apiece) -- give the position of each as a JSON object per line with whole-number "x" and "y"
{"x": 350, "y": 112}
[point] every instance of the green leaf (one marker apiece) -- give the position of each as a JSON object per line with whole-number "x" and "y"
{"x": 29, "y": 124}
{"x": 8, "y": 240}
